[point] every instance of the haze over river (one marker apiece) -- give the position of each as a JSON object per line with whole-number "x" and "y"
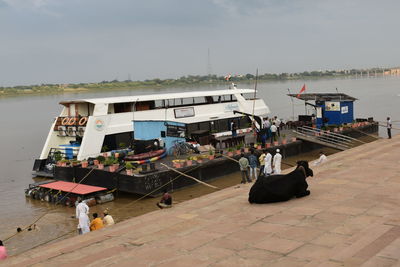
{"x": 25, "y": 122}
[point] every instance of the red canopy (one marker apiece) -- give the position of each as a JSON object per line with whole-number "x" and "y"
{"x": 80, "y": 189}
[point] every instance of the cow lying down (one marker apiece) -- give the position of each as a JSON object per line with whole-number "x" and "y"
{"x": 276, "y": 188}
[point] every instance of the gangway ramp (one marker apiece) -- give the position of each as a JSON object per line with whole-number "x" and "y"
{"x": 326, "y": 138}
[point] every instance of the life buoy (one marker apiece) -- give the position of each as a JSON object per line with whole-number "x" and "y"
{"x": 82, "y": 121}
{"x": 72, "y": 121}
{"x": 65, "y": 121}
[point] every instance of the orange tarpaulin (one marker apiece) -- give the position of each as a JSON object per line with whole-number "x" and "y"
{"x": 80, "y": 189}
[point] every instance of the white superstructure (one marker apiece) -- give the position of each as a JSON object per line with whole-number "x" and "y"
{"x": 92, "y": 121}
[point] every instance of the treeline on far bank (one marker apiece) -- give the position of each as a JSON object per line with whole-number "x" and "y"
{"x": 160, "y": 83}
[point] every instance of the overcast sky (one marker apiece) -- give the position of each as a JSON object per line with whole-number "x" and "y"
{"x": 72, "y": 41}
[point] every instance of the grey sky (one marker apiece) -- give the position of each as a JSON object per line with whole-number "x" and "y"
{"x": 59, "y": 41}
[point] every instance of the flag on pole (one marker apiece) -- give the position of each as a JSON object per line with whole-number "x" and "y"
{"x": 228, "y": 77}
{"x": 303, "y": 89}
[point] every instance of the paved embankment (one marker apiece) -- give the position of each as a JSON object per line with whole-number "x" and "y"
{"x": 351, "y": 218}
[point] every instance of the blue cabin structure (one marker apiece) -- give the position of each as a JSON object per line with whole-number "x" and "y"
{"x": 331, "y": 108}
{"x": 168, "y": 131}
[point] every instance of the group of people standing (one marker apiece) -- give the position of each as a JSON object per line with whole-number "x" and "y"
{"x": 271, "y": 128}
{"x": 84, "y": 223}
{"x": 268, "y": 164}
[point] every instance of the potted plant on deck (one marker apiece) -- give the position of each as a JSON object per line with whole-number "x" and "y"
{"x": 129, "y": 168}
{"x": 85, "y": 163}
{"x": 64, "y": 162}
{"x": 230, "y": 152}
{"x": 211, "y": 154}
{"x": 189, "y": 161}
{"x": 238, "y": 147}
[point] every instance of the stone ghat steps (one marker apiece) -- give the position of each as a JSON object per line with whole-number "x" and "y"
{"x": 351, "y": 218}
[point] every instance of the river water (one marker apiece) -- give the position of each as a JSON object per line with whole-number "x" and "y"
{"x": 25, "y": 123}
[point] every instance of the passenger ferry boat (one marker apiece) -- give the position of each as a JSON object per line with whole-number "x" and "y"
{"x": 86, "y": 126}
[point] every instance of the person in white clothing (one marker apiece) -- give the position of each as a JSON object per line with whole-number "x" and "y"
{"x": 277, "y": 124}
{"x": 84, "y": 224}
{"x": 82, "y": 207}
{"x": 273, "y": 129}
{"x": 277, "y": 160}
{"x": 81, "y": 213}
{"x": 322, "y": 159}
{"x": 268, "y": 166}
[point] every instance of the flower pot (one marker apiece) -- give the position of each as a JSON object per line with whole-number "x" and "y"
{"x": 96, "y": 162}
{"x": 341, "y": 129}
{"x": 116, "y": 165}
{"x": 230, "y": 154}
{"x": 63, "y": 164}
{"x": 267, "y": 145}
{"x": 276, "y": 143}
{"x": 294, "y": 139}
{"x": 199, "y": 161}
{"x": 259, "y": 147}
{"x": 284, "y": 141}
{"x": 116, "y": 155}
{"x": 189, "y": 162}
{"x": 178, "y": 165}
{"x": 85, "y": 164}
{"x": 211, "y": 157}
{"x": 335, "y": 130}
{"x": 246, "y": 150}
{"x": 129, "y": 172}
{"x": 238, "y": 152}
{"x": 100, "y": 166}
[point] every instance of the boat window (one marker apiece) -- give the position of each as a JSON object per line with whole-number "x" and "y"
{"x": 176, "y": 131}
{"x": 244, "y": 122}
{"x": 217, "y": 99}
{"x": 115, "y": 141}
{"x": 248, "y": 96}
{"x": 200, "y": 100}
{"x": 171, "y": 102}
{"x": 144, "y": 105}
{"x": 234, "y": 98}
{"x": 204, "y": 126}
{"x": 192, "y": 127}
{"x": 222, "y": 125}
{"x": 187, "y": 101}
{"x": 122, "y": 107}
{"x": 226, "y": 98}
{"x": 159, "y": 104}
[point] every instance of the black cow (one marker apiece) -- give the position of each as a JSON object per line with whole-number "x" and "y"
{"x": 276, "y": 188}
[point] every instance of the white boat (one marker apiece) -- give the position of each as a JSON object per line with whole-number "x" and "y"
{"x": 86, "y": 126}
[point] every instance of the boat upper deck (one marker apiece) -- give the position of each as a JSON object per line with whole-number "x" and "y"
{"x": 150, "y": 97}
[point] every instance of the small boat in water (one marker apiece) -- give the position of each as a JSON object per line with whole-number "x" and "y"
{"x": 67, "y": 193}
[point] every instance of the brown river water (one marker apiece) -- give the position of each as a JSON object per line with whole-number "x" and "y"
{"x": 25, "y": 122}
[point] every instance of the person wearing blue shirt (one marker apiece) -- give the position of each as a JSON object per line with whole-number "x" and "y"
{"x": 253, "y": 164}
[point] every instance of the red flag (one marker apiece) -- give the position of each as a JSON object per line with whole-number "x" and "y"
{"x": 301, "y": 91}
